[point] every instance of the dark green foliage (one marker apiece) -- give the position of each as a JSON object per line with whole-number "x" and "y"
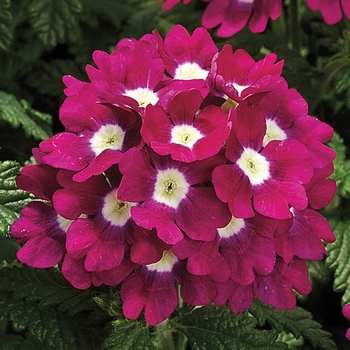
{"x": 211, "y": 327}
{"x": 299, "y": 322}
{"x": 43, "y": 303}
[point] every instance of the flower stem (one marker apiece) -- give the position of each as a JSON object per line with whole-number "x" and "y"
{"x": 294, "y": 25}
{"x": 165, "y": 337}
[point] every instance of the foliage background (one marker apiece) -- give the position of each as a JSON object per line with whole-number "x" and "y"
{"x": 42, "y": 40}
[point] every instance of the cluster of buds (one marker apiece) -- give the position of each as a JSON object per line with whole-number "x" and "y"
{"x": 183, "y": 171}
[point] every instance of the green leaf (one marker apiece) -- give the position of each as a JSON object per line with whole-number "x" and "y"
{"x": 6, "y": 35}
{"x": 211, "y": 327}
{"x": 55, "y": 21}
{"x": 17, "y": 342}
{"x": 341, "y": 166}
{"x": 299, "y": 322}
{"x": 339, "y": 258}
{"x": 19, "y": 113}
{"x": 8, "y": 249}
{"x": 128, "y": 335}
{"x": 50, "y": 309}
{"x": 12, "y": 199}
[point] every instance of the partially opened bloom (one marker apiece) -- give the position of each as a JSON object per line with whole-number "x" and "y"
{"x": 331, "y": 10}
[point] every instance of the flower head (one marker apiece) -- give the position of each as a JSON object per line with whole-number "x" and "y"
{"x": 181, "y": 165}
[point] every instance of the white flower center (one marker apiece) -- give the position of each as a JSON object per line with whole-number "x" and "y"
{"x": 115, "y": 211}
{"x": 165, "y": 264}
{"x": 189, "y": 71}
{"x": 232, "y": 228}
{"x": 273, "y": 132}
{"x": 185, "y": 135}
{"x": 254, "y": 165}
{"x": 143, "y": 96}
{"x": 63, "y": 223}
{"x": 107, "y": 136}
{"x": 237, "y": 87}
{"x": 170, "y": 188}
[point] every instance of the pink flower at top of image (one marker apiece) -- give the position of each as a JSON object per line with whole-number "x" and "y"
{"x": 169, "y": 4}
{"x": 232, "y": 15}
{"x": 331, "y": 10}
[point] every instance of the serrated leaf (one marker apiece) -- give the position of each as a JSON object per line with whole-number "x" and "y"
{"x": 53, "y": 312}
{"x": 341, "y": 172}
{"x": 339, "y": 258}
{"x": 18, "y": 113}
{"x": 54, "y": 20}
{"x": 12, "y": 199}
{"x": 299, "y": 322}
{"x": 128, "y": 335}
{"x": 6, "y": 35}
{"x": 210, "y": 327}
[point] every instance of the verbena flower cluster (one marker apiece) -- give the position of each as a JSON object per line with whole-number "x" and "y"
{"x": 182, "y": 169}
{"x": 231, "y": 16}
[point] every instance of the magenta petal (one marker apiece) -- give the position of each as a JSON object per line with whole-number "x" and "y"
{"x": 133, "y": 296}
{"x": 73, "y": 271}
{"x": 240, "y": 297}
{"x": 202, "y": 213}
{"x": 41, "y": 252}
{"x": 99, "y": 164}
{"x": 68, "y": 151}
{"x": 107, "y": 251}
{"x": 232, "y": 186}
{"x": 305, "y": 235}
{"x": 277, "y": 288}
{"x": 66, "y": 204}
{"x": 156, "y": 125}
{"x": 139, "y": 176}
{"x": 158, "y": 216}
{"x": 39, "y": 180}
{"x": 273, "y": 198}
{"x": 184, "y": 106}
{"x": 81, "y": 235}
{"x": 195, "y": 290}
{"x": 146, "y": 247}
